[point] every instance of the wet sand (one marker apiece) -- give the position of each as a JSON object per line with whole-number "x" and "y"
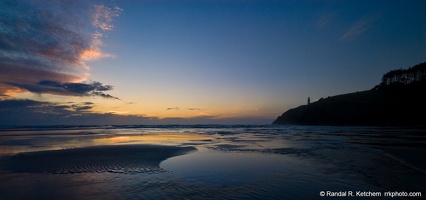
{"x": 108, "y": 158}
{"x": 264, "y": 162}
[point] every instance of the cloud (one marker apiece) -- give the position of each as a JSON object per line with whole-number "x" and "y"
{"x": 81, "y": 108}
{"x": 175, "y": 108}
{"x": 194, "y": 109}
{"x": 29, "y": 112}
{"x": 325, "y": 20}
{"x": 102, "y": 17}
{"x": 68, "y": 89}
{"x": 50, "y": 41}
{"x": 357, "y": 29}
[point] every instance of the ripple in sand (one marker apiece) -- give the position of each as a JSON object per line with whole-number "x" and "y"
{"x": 281, "y": 151}
{"x": 114, "y": 159}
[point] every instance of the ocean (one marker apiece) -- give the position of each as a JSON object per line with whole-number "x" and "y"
{"x": 212, "y": 162}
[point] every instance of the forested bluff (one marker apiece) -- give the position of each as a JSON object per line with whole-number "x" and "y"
{"x": 398, "y": 100}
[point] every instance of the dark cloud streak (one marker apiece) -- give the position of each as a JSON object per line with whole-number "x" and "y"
{"x": 194, "y": 109}
{"x": 68, "y": 89}
{"x": 30, "y": 112}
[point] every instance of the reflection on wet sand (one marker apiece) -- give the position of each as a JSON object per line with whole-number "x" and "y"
{"x": 230, "y": 163}
{"x": 163, "y": 139}
{"x": 110, "y": 158}
{"x": 19, "y": 143}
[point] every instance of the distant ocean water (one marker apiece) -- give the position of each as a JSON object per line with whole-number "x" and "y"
{"x": 210, "y": 162}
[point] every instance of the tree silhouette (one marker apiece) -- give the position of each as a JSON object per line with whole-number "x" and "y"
{"x": 408, "y": 76}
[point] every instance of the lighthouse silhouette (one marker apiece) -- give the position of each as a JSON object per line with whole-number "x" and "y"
{"x": 309, "y": 100}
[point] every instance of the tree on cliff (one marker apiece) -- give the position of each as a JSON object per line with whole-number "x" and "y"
{"x": 413, "y": 74}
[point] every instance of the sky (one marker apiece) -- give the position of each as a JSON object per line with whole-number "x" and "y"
{"x": 195, "y": 61}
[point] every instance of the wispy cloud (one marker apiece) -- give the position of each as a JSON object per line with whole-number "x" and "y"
{"x": 50, "y": 41}
{"x": 102, "y": 17}
{"x": 174, "y": 108}
{"x": 177, "y": 108}
{"x": 325, "y": 20}
{"x": 194, "y": 109}
{"x": 357, "y": 29}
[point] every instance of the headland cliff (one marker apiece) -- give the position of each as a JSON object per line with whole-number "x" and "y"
{"x": 399, "y": 100}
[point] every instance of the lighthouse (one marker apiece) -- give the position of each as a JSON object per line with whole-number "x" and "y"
{"x": 309, "y": 100}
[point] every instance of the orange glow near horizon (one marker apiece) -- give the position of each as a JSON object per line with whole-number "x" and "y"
{"x": 163, "y": 138}
{"x": 145, "y": 109}
{"x": 160, "y": 110}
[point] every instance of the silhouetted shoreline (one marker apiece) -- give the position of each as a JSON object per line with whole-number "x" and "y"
{"x": 396, "y": 101}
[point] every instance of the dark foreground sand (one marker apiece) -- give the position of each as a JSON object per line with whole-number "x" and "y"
{"x": 111, "y": 158}
{"x": 264, "y": 162}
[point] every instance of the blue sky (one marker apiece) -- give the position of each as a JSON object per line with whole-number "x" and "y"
{"x": 213, "y": 61}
